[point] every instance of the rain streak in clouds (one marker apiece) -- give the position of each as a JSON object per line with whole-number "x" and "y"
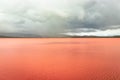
{"x": 56, "y": 18}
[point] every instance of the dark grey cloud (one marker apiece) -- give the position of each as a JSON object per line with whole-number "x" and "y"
{"x": 99, "y": 14}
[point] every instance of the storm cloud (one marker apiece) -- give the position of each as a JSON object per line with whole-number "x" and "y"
{"x": 56, "y": 18}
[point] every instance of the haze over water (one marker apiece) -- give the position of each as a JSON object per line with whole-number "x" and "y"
{"x": 60, "y": 59}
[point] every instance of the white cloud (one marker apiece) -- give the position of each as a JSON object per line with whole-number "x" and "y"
{"x": 96, "y": 33}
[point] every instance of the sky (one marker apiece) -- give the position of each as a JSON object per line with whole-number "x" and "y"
{"x": 56, "y": 18}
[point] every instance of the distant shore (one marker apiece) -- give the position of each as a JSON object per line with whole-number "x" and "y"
{"x": 64, "y": 37}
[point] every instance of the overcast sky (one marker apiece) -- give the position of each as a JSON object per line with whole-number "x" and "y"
{"x": 59, "y": 17}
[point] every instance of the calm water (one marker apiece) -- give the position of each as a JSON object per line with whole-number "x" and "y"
{"x": 60, "y": 59}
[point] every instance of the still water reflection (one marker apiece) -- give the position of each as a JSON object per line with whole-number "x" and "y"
{"x": 60, "y": 59}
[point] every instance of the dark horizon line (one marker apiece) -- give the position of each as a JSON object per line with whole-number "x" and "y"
{"x": 65, "y": 37}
